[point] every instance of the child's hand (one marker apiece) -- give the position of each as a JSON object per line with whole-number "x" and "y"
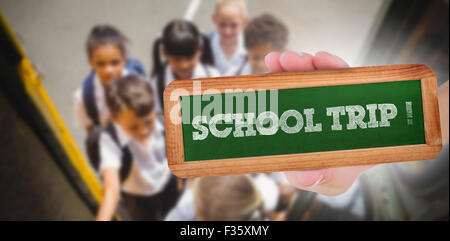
{"x": 330, "y": 181}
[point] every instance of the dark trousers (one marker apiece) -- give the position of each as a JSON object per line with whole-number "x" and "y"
{"x": 154, "y": 207}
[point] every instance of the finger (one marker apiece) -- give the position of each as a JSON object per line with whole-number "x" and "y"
{"x": 308, "y": 179}
{"x": 273, "y": 62}
{"x": 293, "y": 62}
{"x": 330, "y": 182}
{"x": 324, "y": 60}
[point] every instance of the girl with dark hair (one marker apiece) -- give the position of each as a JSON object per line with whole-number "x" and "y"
{"x": 187, "y": 55}
{"x": 107, "y": 57}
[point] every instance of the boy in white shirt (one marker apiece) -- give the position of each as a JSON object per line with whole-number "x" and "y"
{"x": 107, "y": 56}
{"x": 148, "y": 187}
{"x": 227, "y": 42}
{"x": 263, "y": 35}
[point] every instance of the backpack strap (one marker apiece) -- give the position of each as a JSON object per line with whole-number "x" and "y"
{"x": 208, "y": 73}
{"x": 126, "y": 154}
{"x": 134, "y": 66}
{"x": 241, "y": 67}
{"x": 88, "y": 95}
{"x": 160, "y": 85}
{"x": 93, "y": 147}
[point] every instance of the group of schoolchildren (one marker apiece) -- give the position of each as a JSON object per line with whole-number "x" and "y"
{"x": 121, "y": 107}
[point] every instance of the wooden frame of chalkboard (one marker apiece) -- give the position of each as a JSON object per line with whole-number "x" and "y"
{"x": 304, "y": 161}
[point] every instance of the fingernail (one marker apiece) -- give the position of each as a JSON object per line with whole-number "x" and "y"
{"x": 312, "y": 178}
{"x": 340, "y": 59}
{"x": 299, "y": 53}
{"x": 320, "y": 180}
{"x": 303, "y": 54}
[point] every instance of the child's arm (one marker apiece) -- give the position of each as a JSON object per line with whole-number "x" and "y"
{"x": 111, "y": 194}
{"x": 81, "y": 117}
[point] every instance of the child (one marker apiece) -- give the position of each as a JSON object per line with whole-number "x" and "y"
{"x": 227, "y": 198}
{"x": 107, "y": 57}
{"x": 148, "y": 187}
{"x": 245, "y": 197}
{"x": 187, "y": 53}
{"x": 230, "y": 17}
{"x": 263, "y": 35}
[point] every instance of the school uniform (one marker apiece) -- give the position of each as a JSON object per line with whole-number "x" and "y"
{"x": 185, "y": 208}
{"x": 243, "y": 69}
{"x": 149, "y": 188}
{"x": 220, "y": 59}
{"x": 200, "y": 71}
{"x": 352, "y": 201}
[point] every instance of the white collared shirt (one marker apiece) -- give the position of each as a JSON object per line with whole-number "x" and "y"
{"x": 200, "y": 71}
{"x": 243, "y": 70}
{"x": 351, "y": 200}
{"x": 220, "y": 59}
{"x": 82, "y": 118}
{"x": 149, "y": 172}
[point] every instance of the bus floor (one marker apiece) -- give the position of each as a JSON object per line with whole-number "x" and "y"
{"x": 32, "y": 185}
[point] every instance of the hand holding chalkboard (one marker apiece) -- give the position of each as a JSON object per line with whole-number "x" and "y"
{"x": 303, "y": 120}
{"x": 329, "y": 181}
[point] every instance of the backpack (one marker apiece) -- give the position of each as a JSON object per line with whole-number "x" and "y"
{"x": 133, "y": 66}
{"x": 93, "y": 149}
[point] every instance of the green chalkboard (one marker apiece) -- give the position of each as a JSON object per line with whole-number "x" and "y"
{"x": 393, "y": 116}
